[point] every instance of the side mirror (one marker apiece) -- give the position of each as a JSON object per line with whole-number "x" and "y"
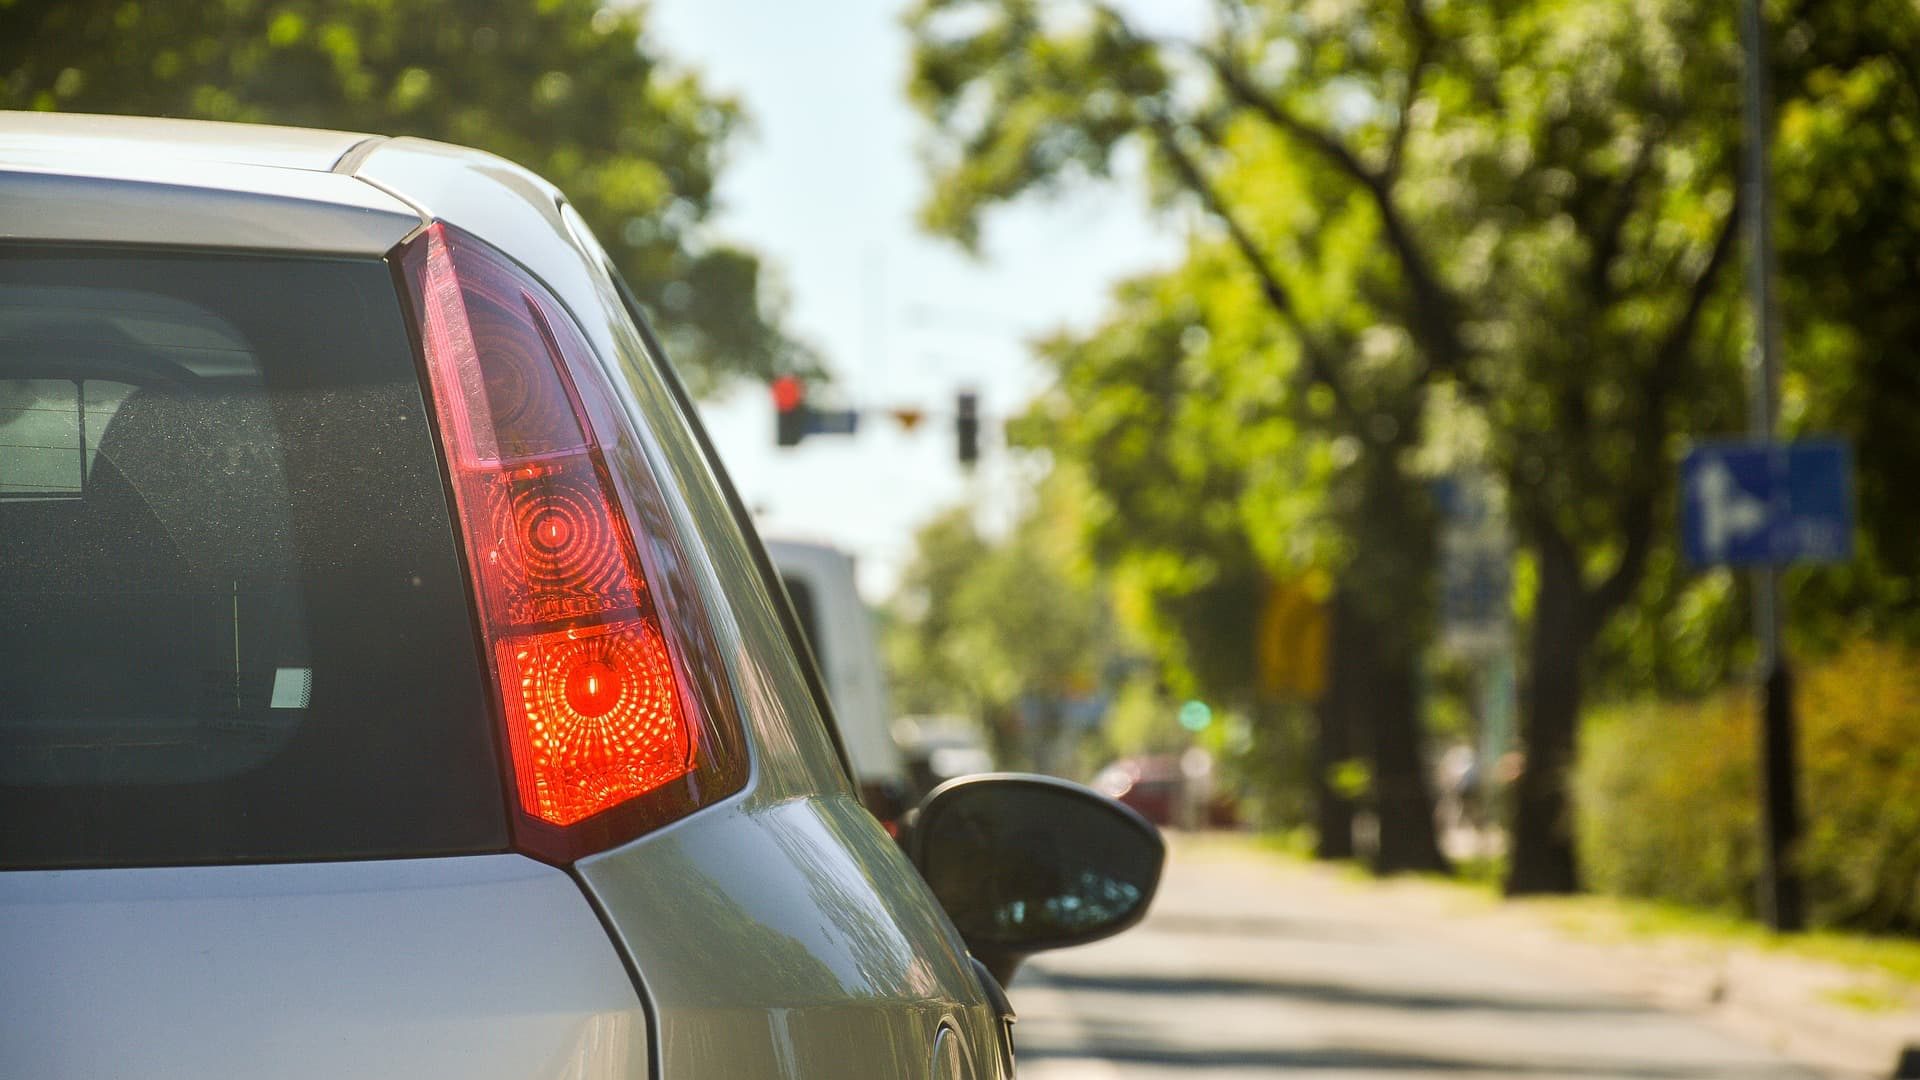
{"x": 1025, "y": 863}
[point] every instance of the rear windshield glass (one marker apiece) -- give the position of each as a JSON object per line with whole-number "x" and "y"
{"x": 232, "y": 621}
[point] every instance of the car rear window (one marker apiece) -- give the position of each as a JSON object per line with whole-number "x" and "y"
{"x": 233, "y": 625}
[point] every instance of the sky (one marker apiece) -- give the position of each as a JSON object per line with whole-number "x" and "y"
{"x": 825, "y": 186}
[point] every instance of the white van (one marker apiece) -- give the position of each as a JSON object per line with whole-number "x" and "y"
{"x": 839, "y": 628}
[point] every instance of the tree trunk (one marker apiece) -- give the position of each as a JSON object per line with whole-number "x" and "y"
{"x": 1388, "y": 581}
{"x": 1543, "y": 855}
{"x": 1334, "y": 725}
{"x": 1402, "y": 791}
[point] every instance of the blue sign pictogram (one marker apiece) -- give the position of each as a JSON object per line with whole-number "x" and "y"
{"x": 1749, "y": 503}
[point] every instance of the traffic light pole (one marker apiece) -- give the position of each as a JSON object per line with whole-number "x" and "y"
{"x": 1780, "y": 897}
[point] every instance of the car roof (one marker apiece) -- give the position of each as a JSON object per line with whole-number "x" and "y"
{"x": 191, "y": 183}
{"x": 256, "y": 187}
{"x": 31, "y": 136}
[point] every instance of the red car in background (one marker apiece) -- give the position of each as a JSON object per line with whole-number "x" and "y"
{"x": 1161, "y": 790}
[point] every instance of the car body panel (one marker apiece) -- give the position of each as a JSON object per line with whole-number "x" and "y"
{"x": 509, "y": 207}
{"x": 489, "y": 966}
{"x": 156, "y": 139}
{"x": 181, "y": 204}
{"x": 140, "y": 180}
{"x": 854, "y": 969}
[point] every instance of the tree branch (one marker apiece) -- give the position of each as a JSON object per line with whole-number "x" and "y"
{"x": 1607, "y": 240}
{"x": 1434, "y": 323}
{"x": 1646, "y": 470}
{"x": 1420, "y": 29}
{"x": 1538, "y": 525}
{"x": 1319, "y": 363}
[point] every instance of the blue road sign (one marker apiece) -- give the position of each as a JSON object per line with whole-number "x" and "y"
{"x": 1476, "y": 557}
{"x": 1752, "y": 503}
{"x": 1475, "y": 589}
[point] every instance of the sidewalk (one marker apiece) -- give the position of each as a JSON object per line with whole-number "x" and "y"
{"x": 1794, "y": 1005}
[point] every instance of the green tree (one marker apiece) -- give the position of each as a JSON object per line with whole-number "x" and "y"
{"x": 992, "y": 628}
{"x": 1603, "y": 182}
{"x": 573, "y": 89}
{"x": 1848, "y": 227}
{"x": 1549, "y": 185}
{"x": 1026, "y": 99}
{"x": 1847, "y": 171}
{"x": 1180, "y": 411}
{"x": 924, "y": 614}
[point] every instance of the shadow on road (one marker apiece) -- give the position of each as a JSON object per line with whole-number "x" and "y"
{"x": 1258, "y": 926}
{"x": 1332, "y": 993}
{"x": 1244, "y": 970}
{"x": 1360, "y": 1059}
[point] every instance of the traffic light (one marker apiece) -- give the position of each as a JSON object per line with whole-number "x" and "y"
{"x": 789, "y": 411}
{"x": 966, "y": 426}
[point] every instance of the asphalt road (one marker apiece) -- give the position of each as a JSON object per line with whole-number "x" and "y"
{"x": 1246, "y": 970}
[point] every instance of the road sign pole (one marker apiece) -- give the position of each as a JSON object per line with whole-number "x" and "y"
{"x": 1780, "y": 898}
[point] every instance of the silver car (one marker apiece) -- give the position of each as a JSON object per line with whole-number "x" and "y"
{"x": 390, "y": 682}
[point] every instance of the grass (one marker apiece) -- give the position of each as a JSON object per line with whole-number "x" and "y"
{"x": 1627, "y": 919}
{"x": 1295, "y": 843}
{"x": 1896, "y": 958}
{"x": 1866, "y": 998}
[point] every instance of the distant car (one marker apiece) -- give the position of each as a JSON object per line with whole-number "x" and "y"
{"x": 1150, "y": 785}
{"x": 819, "y": 579}
{"x": 393, "y": 684}
{"x": 1159, "y": 789}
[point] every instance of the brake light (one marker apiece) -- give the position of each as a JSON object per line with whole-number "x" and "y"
{"x": 599, "y": 717}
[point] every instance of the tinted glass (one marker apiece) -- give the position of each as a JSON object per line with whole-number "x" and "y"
{"x": 1030, "y": 865}
{"x": 232, "y": 622}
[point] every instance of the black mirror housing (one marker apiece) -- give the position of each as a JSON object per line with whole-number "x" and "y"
{"x": 1025, "y": 863}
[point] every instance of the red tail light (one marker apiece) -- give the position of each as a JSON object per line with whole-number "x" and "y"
{"x": 602, "y": 723}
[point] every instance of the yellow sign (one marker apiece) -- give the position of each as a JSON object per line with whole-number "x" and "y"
{"x": 1290, "y": 649}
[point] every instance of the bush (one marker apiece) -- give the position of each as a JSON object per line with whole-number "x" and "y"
{"x": 1665, "y": 797}
{"x": 1669, "y": 803}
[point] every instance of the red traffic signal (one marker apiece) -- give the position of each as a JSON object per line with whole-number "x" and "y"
{"x": 788, "y": 393}
{"x": 790, "y": 411}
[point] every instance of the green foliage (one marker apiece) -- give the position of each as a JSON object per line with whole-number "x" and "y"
{"x": 978, "y": 625}
{"x": 1202, "y": 488}
{"x": 1847, "y": 161}
{"x": 1058, "y": 98}
{"x": 1527, "y": 203}
{"x": 1352, "y": 779}
{"x": 1497, "y": 235}
{"x": 1669, "y": 797}
{"x": 926, "y": 614}
{"x": 1848, "y": 228}
{"x": 1141, "y": 721}
{"x": 1266, "y": 761}
{"x": 572, "y": 89}
{"x": 1604, "y": 177}
{"x": 1686, "y": 633}
{"x": 1667, "y": 803}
